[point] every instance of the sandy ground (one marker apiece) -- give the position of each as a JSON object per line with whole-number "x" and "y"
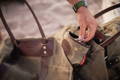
{"x": 52, "y": 14}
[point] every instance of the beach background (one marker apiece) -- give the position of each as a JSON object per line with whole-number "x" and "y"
{"x": 52, "y": 14}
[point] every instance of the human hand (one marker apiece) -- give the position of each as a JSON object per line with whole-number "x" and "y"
{"x": 88, "y": 24}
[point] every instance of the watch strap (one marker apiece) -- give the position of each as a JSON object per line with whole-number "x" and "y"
{"x": 78, "y": 5}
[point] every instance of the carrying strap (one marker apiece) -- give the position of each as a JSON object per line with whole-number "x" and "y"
{"x": 9, "y": 30}
{"x": 106, "y": 10}
{"x": 104, "y": 44}
{"x": 66, "y": 46}
{"x": 108, "y": 41}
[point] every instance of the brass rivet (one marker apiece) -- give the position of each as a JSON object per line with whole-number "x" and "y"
{"x": 45, "y": 52}
{"x": 44, "y": 47}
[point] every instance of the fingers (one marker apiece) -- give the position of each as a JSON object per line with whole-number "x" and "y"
{"x": 82, "y": 32}
{"x": 88, "y": 25}
{"x": 91, "y": 32}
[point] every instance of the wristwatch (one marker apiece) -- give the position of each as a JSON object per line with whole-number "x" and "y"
{"x": 78, "y": 5}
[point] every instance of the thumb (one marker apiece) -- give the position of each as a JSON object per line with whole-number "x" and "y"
{"x": 82, "y": 32}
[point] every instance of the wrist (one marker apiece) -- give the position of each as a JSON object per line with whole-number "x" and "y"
{"x": 81, "y": 9}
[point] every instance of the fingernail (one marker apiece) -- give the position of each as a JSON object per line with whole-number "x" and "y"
{"x": 80, "y": 38}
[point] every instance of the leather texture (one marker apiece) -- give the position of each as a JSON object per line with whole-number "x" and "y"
{"x": 55, "y": 65}
{"x": 37, "y": 47}
{"x": 31, "y": 47}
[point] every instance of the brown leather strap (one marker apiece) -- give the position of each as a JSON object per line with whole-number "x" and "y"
{"x": 100, "y": 36}
{"x": 107, "y": 10}
{"x": 111, "y": 39}
{"x": 36, "y": 19}
{"x": 10, "y": 32}
{"x": 7, "y": 28}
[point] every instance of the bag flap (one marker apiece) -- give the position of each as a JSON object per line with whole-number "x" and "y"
{"x": 35, "y": 47}
{"x": 74, "y": 50}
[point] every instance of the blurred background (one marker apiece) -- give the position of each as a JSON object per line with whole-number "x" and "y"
{"x": 52, "y": 14}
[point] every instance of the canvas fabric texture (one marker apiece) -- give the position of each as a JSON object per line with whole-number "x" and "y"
{"x": 110, "y": 29}
{"x": 57, "y": 67}
{"x": 113, "y": 50}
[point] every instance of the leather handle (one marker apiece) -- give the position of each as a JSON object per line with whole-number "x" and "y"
{"x": 107, "y": 10}
{"x": 108, "y": 41}
{"x": 36, "y": 19}
{"x": 9, "y": 30}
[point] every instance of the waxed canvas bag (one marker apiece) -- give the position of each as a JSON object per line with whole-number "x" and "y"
{"x": 35, "y": 47}
{"x": 110, "y": 58}
{"x": 31, "y": 47}
{"x": 72, "y": 60}
{"x": 112, "y": 51}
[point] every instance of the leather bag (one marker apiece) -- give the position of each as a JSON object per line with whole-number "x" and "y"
{"x": 37, "y": 48}
{"x": 31, "y": 47}
{"x": 94, "y": 60}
